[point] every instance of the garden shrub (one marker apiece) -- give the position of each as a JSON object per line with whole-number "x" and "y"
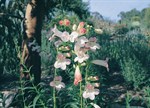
{"x": 126, "y": 54}
{"x": 133, "y": 72}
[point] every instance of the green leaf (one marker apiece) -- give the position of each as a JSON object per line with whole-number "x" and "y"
{"x": 35, "y": 101}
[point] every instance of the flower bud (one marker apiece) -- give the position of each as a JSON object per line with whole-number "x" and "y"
{"x": 74, "y": 27}
{"x": 64, "y": 48}
{"x": 66, "y": 22}
{"x": 81, "y": 24}
{"x": 88, "y": 26}
{"x": 98, "y": 31}
{"x": 96, "y": 84}
{"x": 61, "y": 22}
{"x": 93, "y": 78}
{"x": 83, "y": 64}
{"x": 82, "y": 31}
{"x": 67, "y": 54}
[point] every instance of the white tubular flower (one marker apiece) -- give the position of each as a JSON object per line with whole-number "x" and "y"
{"x": 56, "y": 31}
{"x": 92, "y": 44}
{"x": 81, "y": 41}
{"x": 61, "y": 62}
{"x": 65, "y": 37}
{"x": 101, "y": 63}
{"x": 56, "y": 83}
{"x": 81, "y": 56}
{"x": 73, "y": 36}
{"x": 90, "y": 92}
{"x": 58, "y": 43}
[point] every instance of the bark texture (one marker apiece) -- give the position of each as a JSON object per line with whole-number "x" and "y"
{"x": 32, "y": 40}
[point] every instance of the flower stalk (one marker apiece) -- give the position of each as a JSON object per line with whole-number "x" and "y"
{"x": 54, "y": 93}
{"x": 81, "y": 99}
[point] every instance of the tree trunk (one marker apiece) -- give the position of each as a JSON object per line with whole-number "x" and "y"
{"x": 31, "y": 59}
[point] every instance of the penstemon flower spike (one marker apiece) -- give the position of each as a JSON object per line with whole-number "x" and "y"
{"x": 72, "y": 49}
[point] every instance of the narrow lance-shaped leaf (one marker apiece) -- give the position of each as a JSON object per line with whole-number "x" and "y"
{"x": 95, "y": 105}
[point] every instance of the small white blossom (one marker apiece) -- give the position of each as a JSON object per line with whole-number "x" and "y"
{"x": 57, "y": 83}
{"x": 81, "y": 54}
{"x": 64, "y": 36}
{"x": 61, "y": 62}
{"x": 92, "y": 44}
{"x": 73, "y": 36}
{"x": 90, "y": 92}
{"x": 81, "y": 41}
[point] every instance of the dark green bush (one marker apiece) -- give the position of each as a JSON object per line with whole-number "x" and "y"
{"x": 134, "y": 73}
{"x": 129, "y": 55}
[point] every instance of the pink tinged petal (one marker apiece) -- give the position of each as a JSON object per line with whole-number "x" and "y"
{"x": 93, "y": 39}
{"x": 101, "y": 63}
{"x": 61, "y": 85}
{"x": 89, "y": 87}
{"x": 95, "y": 46}
{"x": 73, "y": 36}
{"x": 81, "y": 56}
{"x": 56, "y": 31}
{"x": 58, "y": 88}
{"x": 56, "y": 65}
{"x": 82, "y": 40}
{"x": 60, "y": 57}
{"x": 76, "y": 59}
{"x": 96, "y": 91}
{"x": 65, "y": 37}
{"x": 91, "y": 96}
{"x": 63, "y": 67}
{"x": 58, "y": 43}
{"x": 76, "y": 48}
{"x": 58, "y": 78}
{"x": 52, "y": 84}
{"x": 92, "y": 45}
{"x": 85, "y": 94}
{"x": 80, "y": 60}
{"x": 68, "y": 61}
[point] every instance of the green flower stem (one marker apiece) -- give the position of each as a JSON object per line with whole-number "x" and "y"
{"x": 86, "y": 77}
{"x": 81, "y": 100}
{"x": 86, "y": 73}
{"x": 54, "y": 92}
{"x": 22, "y": 91}
{"x": 54, "y": 98}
